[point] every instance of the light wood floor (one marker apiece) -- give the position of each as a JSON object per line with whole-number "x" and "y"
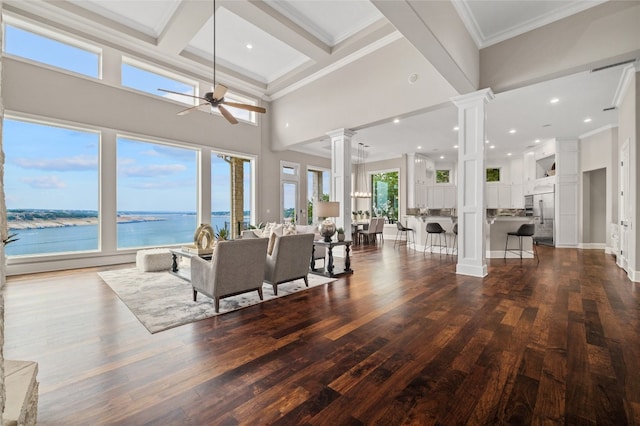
{"x": 402, "y": 341}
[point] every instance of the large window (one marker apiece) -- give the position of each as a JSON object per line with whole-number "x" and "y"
{"x": 318, "y": 184}
{"x": 157, "y": 194}
{"x": 140, "y": 76}
{"x": 46, "y": 50}
{"x": 385, "y": 195}
{"x": 51, "y": 187}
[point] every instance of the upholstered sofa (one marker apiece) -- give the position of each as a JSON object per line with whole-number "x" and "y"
{"x": 288, "y": 259}
{"x": 236, "y": 267}
{"x": 318, "y": 254}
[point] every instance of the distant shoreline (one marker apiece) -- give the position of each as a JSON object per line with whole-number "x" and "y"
{"x": 64, "y": 222}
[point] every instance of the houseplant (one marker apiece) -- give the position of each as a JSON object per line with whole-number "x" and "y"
{"x": 340, "y": 233}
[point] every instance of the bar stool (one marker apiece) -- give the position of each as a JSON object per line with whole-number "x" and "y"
{"x": 526, "y": 230}
{"x": 434, "y": 228}
{"x": 401, "y": 229}
{"x": 454, "y": 246}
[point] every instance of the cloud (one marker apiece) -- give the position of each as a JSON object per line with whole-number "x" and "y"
{"x": 44, "y": 182}
{"x": 152, "y": 170}
{"x": 65, "y": 164}
{"x": 156, "y": 185}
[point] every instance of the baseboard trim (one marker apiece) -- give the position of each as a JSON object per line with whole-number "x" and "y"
{"x": 472, "y": 270}
{"x": 592, "y": 246}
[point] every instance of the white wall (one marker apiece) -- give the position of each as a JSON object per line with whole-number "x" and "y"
{"x": 371, "y": 89}
{"x": 604, "y": 34}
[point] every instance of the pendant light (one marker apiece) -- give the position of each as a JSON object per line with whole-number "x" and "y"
{"x": 361, "y": 186}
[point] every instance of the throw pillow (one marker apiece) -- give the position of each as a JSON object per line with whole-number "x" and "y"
{"x": 289, "y": 229}
{"x": 272, "y": 243}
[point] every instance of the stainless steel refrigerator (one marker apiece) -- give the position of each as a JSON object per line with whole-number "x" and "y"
{"x": 542, "y": 208}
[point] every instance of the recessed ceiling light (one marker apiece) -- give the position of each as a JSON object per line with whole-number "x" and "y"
{"x": 396, "y": 121}
{"x": 487, "y": 141}
{"x": 419, "y": 147}
{"x": 456, "y": 128}
{"x": 492, "y": 146}
{"x": 286, "y": 125}
{"x": 508, "y": 154}
{"x": 512, "y": 131}
{"x": 587, "y": 120}
{"x": 442, "y": 157}
{"x": 537, "y": 141}
{"x": 455, "y": 147}
{"x": 554, "y": 100}
{"x": 249, "y": 46}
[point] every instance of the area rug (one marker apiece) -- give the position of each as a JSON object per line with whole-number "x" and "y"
{"x": 161, "y": 301}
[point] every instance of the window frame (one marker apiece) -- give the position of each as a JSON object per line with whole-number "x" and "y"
{"x": 57, "y": 35}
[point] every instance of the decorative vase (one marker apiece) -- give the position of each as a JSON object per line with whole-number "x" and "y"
{"x": 340, "y": 237}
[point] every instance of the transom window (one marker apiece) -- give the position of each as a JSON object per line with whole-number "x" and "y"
{"x": 50, "y": 51}
{"x": 146, "y": 78}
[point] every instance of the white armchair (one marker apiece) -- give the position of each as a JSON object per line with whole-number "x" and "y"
{"x": 236, "y": 267}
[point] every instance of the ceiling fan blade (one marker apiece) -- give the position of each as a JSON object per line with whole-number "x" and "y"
{"x": 219, "y": 91}
{"x": 188, "y": 110}
{"x": 230, "y": 118}
{"x": 183, "y": 94}
{"x": 246, "y": 107}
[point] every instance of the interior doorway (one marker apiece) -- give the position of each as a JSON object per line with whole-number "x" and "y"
{"x": 594, "y": 224}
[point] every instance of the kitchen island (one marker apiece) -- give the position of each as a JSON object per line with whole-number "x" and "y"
{"x": 497, "y": 226}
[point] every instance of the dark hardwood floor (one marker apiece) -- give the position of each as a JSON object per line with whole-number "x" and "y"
{"x": 402, "y": 341}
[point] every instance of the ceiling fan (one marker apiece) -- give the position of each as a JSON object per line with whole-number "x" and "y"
{"x": 216, "y": 98}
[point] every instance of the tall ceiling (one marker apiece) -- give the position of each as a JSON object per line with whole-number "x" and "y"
{"x": 271, "y": 47}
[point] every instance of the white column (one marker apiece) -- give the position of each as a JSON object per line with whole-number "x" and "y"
{"x": 471, "y": 183}
{"x": 341, "y": 175}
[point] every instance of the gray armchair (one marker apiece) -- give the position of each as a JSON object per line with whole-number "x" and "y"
{"x": 236, "y": 267}
{"x": 289, "y": 260}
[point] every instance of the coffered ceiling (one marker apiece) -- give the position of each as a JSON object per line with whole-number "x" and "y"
{"x": 268, "y": 48}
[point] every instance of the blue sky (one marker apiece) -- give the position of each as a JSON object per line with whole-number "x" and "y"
{"x": 50, "y": 167}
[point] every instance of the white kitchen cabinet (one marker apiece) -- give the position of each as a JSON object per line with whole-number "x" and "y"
{"x": 450, "y": 197}
{"x": 517, "y": 196}
{"x": 504, "y": 196}
{"x": 529, "y": 172}
{"x": 492, "y": 196}
{"x": 420, "y": 195}
{"x": 441, "y": 196}
{"x": 545, "y": 149}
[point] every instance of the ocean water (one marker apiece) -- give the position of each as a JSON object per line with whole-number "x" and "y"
{"x": 174, "y": 228}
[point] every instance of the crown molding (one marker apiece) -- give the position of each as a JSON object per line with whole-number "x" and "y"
{"x": 625, "y": 80}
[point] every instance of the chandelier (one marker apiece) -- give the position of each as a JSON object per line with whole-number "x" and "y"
{"x": 361, "y": 185}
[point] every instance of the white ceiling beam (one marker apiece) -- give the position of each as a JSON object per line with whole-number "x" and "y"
{"x": 185, "y": 23}
{"x": 408, "y": 20}
{"x": 273, "y": 22}
{"x": 347, "y": 51}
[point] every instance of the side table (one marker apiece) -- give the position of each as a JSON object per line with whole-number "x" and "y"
{"x": 328, "y": 271}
